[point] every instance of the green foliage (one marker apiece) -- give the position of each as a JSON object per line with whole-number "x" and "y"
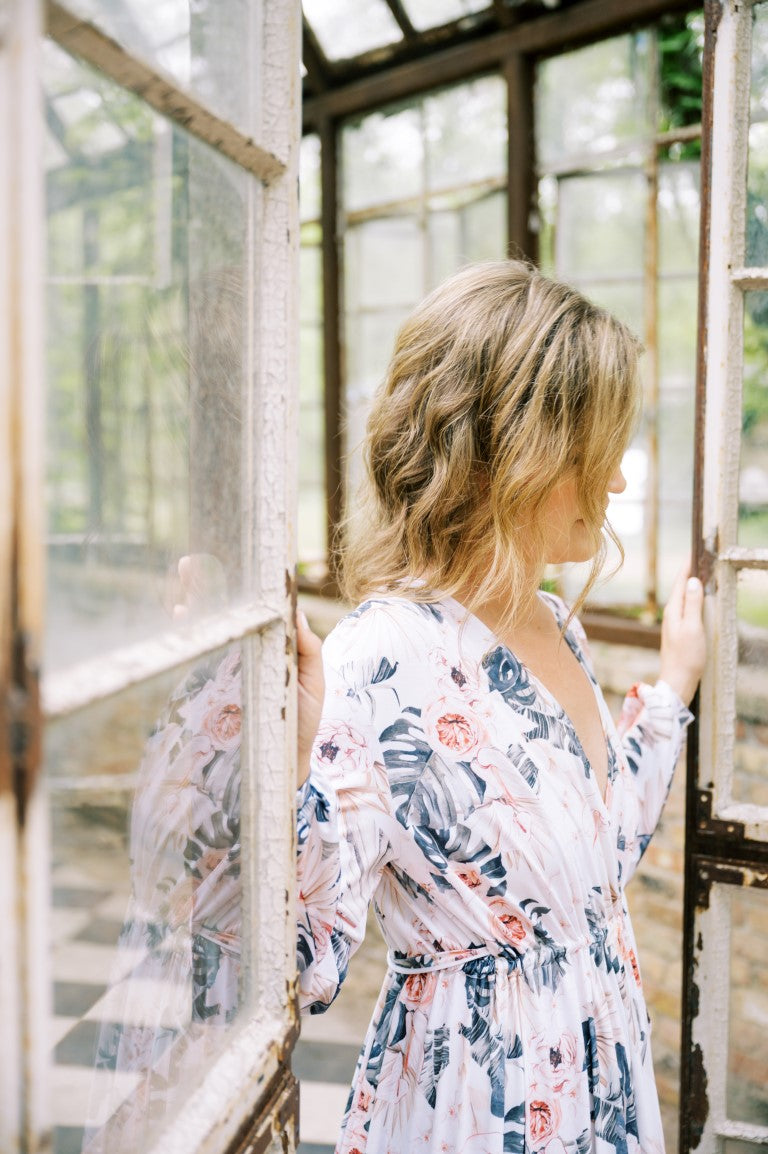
{"x": 680, "y": 40}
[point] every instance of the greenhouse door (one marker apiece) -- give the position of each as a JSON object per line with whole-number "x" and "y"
{"x": 148, "y": 322}
{"x": 724, "y": 1095}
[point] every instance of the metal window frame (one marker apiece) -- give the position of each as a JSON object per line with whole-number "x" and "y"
{"x": 726, "y": 842}
{"x": 247, "y": 1097}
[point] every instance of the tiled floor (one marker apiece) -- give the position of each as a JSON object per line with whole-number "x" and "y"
{"x": 86, "y": 923}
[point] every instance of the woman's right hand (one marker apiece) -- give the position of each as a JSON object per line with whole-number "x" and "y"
{"x": 683, "y": 643}
{"x": 311, "y": 692}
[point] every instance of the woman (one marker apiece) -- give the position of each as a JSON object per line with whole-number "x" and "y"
{"x": 467, "y": 776}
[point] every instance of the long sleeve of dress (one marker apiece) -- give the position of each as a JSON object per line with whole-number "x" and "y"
{"x": 652, "y": 729}
{"x": 345, "y": 827}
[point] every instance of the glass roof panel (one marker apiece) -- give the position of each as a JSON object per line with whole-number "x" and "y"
{"x": 431, "y": 13}
{"x": 348, "y": 28}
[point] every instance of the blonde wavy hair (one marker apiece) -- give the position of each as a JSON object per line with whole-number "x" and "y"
{"x": 502, "y": 384}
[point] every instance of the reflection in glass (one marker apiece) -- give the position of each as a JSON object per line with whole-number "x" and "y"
{"x": 607, "y": 104}
{"x": 349, "y": 27}
{"x": 206, "y": 47}
{"x": 747, "y": 1078}
{"x": 145, "y": 363}
{"x": 753, "y": 473}
{"x": 147, "y": 901}
{"x": 750, "y": 769}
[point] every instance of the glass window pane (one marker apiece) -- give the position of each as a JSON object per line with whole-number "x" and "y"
{"x": 146, "y": 343}
{"x": 592, "y": 100}
{"x": 432, "y": 13}
{"x": 750, "y": 768}
{"x": 207, "y": 49}
{"x": 678, "y": 223}
{"x": 753, "y": 475}
{"x": 384, "y": 263}
{"x": 456, "y": 152}
{"x": 600, "y": 225}
{"x": 757, "y": 172}
{"x": 312, "y": 513}
{"x": 349, "y": 27}
{"x": 747, "y": 1080}
{"x": 382, "y": 158}
{"x": 147, "y": 901}
{"x": 309, "y": 177}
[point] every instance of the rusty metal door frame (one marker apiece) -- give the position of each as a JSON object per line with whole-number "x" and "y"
{"x": 726, "y": 840}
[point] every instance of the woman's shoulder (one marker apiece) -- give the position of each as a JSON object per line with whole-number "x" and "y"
{"x": 385, "y": 625}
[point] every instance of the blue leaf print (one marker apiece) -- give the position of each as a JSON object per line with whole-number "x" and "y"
{"x": 610, "y": 1123}
{"x": 426, "y": 791}
{"x": 437, "y": 1056}
{"x": 509, "y": 678}
{"x": 514, "y": 1130}
{"x": 627, "y": 1092}
{"x": 591, "y": 1062}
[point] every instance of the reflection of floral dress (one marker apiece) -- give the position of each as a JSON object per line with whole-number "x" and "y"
{"x": 449, "y": 786}
{"x": 178, "y": 959}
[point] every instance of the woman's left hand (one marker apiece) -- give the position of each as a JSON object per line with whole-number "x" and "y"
{"x": 311, "y": 691}
{"x": 683, "y": 643}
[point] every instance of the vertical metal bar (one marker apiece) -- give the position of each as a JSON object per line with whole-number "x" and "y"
{"x": 26, "y": 302}
{"x": 10, "y": 968}
{"x": 333, "y": 357}
{"x": 519, "y": 74}
{"x": 651, "y": 312}
{"x": 693, "y": 1100}
{"x": 726, "y": 82}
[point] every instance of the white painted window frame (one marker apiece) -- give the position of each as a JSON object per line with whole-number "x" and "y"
{"x": 224, "y": 1102}
{"x": 727, "y": 282}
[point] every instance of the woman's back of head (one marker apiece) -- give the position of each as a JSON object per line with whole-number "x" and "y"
{"x": 502, "y": 383}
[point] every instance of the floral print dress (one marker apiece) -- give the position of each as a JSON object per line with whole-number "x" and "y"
{"x": 450, "y": 788}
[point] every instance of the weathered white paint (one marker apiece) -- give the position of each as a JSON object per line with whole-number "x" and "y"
{"x": 225, "y": 1099}
{"x": 728, "y": 280}
{"x": 10, "y": 1002}
{"x": 79, "y": 685}
{"x": 26, "y": 304}
{"x": 750, "y": 278}
{"x": 94, "y": 46}
{"x": 230, "y": 1089}
{"x": 742, "y": 558}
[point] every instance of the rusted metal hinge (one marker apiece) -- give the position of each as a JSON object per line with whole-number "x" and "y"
{"x": 23, "y": 718}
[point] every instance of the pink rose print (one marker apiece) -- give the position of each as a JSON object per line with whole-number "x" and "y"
{"x": 454, "y": 727}
{"x": 341, "y": 747}
{"x": 513, "y": 928}
{"x": 543, "y": 1119}
{"x": 419, "y": 990}
{"x": 223, "y": 724}
{"x": 455, "y": 732}
{"x": 471, "y": 878}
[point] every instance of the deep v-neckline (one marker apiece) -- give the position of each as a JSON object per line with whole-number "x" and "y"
{"x": 543, "y": 691}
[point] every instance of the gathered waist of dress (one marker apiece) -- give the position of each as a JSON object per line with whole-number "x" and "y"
{"x": 602, "y": 944}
